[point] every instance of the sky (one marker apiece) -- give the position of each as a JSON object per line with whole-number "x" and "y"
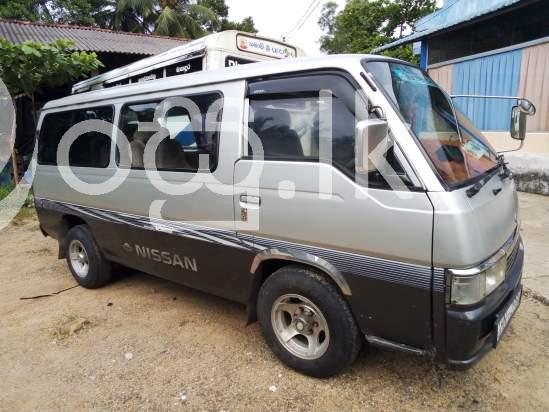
{"x": 275, "y": 19}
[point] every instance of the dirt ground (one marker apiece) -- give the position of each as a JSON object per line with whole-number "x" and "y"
{"x": 534, "y": 213}
{"x": 146, "y": 344}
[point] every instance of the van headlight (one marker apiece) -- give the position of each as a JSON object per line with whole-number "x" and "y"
{"x": 469, "y": 286}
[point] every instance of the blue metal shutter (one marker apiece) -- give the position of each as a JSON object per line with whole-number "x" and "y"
{"x": 493, "y": 75}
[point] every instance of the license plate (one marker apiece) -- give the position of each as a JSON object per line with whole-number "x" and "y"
{"x": 504, "y": 317}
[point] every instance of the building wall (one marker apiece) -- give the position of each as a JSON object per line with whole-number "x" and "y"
{"x": 534, "y": 84}
{"x": 535, "y": 143}
{"x": 520, "y": 72}
{"x": 443, "y": 76}
{"x": 496, "y": 75}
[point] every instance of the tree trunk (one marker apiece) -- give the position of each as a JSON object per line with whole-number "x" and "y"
{"x": 14, "y": 158}
{"x": 33, "y": 109}
{"x": 13, "y": 152}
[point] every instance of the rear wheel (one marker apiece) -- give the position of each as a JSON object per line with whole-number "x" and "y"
{"x": 87, "y": 264}
{"x": 307, "y": 322}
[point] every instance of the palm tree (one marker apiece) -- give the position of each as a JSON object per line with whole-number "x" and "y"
{"x": 178, "y": 18}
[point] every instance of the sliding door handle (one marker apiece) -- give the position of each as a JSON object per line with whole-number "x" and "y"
{"x": 250, "y": 200}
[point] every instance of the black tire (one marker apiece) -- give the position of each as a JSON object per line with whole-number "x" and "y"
{"x": 345, "y": 339}
{"x": 99, "y": 269}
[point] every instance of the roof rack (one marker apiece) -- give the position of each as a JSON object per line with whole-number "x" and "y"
{"x": 225, "y": 49}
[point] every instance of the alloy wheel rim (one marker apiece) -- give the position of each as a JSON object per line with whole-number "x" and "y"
{"x": 300, "y": 326}
{"x": 79, "y": 258}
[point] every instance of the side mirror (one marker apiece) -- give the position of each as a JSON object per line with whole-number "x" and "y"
{"x": 369, "y": 134}
{"x": 519, "y": 112}
{"x": 518, "y": 123}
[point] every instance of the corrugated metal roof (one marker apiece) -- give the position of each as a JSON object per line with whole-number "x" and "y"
{"x": 459, "y": 11}
{"x": 87, "y": 38}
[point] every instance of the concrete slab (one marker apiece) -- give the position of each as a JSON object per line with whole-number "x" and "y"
{"x": 530, "y": 172}
{"x": 534, "y": 213}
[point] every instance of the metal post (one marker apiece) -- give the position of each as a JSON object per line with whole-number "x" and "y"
{"x": 424, "y": 52}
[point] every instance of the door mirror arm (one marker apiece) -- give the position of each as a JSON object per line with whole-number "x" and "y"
{"x": 523, "y": 108}
{"x": 378, "y": 111}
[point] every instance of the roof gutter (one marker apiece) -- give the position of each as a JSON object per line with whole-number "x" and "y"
{"x": 399, "y": 42}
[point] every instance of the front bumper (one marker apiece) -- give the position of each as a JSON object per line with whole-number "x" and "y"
{"x": 470, "y": 331}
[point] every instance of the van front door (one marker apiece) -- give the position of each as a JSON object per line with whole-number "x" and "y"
{"x": 377, "y": 237}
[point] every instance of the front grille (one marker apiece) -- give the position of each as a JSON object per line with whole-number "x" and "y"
{"x": 512, "y": 256}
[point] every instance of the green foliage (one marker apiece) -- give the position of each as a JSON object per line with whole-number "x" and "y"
{"x": 24, "y": 10}
{"x": 83, "y": 12}
{"x": 364, "y": 25}
{"x": 28, "y": 67}
{"x": 184, "y": 20}
{"x": 164, "y": 17}
{"x": 178, "y": 18}
{"x": 5, "y": 190}
{"x": 328, "y": 18}
{"x": 246, "y": 25}
{"x": 220, "y": 8}
{"x": 403, "y": 53}
{"x": 79, "y": 12}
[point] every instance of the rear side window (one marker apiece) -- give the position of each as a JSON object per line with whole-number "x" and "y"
{"x": 91, "y": 149}
{"x": 185, "y": 139}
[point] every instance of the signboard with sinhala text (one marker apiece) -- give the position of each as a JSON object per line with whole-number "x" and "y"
{"x": 264, "y": 47}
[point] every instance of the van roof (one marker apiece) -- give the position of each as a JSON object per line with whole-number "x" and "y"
{"x": 212, "y": 77}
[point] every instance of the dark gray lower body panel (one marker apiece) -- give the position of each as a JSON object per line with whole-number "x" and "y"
{"x": 390, "y": 300}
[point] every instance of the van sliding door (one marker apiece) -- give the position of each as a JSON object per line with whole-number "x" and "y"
{"x": 177, "y": 221}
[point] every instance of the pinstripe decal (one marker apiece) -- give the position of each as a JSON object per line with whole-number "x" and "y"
{"x": 223, "y": 237}
{"x": 439, "y": 280}
{"x": 351, "y": 263}
{"x": 417, "y": 276}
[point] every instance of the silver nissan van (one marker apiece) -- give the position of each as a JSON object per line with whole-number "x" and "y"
{"x": 343, "y": 199}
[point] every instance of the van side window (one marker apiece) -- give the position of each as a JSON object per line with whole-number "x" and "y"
{"x": 286, "y": 116}
{"x": 289, "y": 129}
{"x": 91, "y": 149}
{"x": 185, "y": 141}
{"x": 291, "y": 115}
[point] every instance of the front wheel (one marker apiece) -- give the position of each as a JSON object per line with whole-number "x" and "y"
{"x": 307, "y": 322}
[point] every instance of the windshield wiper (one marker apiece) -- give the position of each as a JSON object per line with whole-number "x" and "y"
{"x": 473, "y": 190}
{"x": 505, "y": 173}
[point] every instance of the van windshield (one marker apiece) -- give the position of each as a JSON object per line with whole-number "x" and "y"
{"x": 456, "y": 148}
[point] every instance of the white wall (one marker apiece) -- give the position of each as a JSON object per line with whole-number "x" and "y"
{"x": 535, "y": 143}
